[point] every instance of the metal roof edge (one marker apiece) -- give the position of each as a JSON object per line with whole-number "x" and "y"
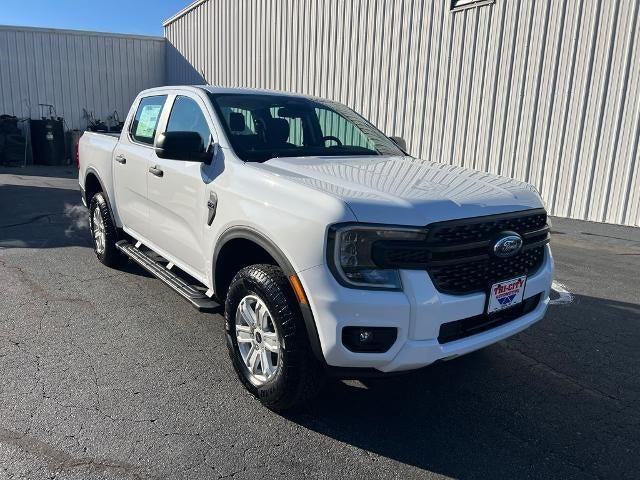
{"x": 22, "y": 28}
{"x": 183, "y": 12}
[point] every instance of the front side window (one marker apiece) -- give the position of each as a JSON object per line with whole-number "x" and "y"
{"x": 145, "y": 123}
{"x": 186, "y": 116}
{"x": 265, "y": 126}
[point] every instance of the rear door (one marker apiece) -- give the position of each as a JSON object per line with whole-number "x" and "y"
{"x": 132, "y": 158}
{"x": 178, "y": 191}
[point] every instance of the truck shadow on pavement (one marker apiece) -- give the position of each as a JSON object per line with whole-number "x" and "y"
{"x": 42, "y": 217}
{"x": 46, "y": 217}
{"x": 543, "y": 404}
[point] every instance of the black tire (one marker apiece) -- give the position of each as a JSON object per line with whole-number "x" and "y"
{"x": 110, "y": 256}
{"x": 299, "y": 377}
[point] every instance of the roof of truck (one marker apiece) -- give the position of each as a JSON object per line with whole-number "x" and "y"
{"x": 219, "y": 89}
{"x": 254, "y": 91}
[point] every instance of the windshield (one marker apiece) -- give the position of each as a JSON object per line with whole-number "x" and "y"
{"x": 266, "y": 126}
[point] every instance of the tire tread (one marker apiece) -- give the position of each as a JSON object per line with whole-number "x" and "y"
{"x": 302, "y": 378}
{"x": 111, "y": 257}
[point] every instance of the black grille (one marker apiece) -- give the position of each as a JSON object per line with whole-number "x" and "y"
{"x": 466, "y": 327}
{"x": 476, "y": 229}
{"x": 458, "y": 254}
{"x": 481, "y": 274}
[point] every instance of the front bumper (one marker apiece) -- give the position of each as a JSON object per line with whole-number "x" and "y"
{"x": 417, "y": 313}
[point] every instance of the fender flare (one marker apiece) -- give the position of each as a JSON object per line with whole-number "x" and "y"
{"x": 248, "y": 233}
{"x": 102, "y": 189}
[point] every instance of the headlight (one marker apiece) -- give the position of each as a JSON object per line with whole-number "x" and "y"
{"x": 351, "y": 254}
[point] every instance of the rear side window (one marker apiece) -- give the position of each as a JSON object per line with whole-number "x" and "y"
{"x": 144, "y": 126}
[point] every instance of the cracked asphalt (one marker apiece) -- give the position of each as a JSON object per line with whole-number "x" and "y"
{"x": 109, "y": 374}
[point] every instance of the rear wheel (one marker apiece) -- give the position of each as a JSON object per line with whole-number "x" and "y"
{"x": 104, "y": 232}
{"x": 267, "y": 339}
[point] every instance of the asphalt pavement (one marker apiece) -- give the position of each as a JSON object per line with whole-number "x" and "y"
{"x": 109, "y": 374}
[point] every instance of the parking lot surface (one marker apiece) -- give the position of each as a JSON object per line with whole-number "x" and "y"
{"x": 109, "y": 374}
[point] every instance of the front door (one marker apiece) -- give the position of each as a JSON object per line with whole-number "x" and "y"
{"x": 131, "y": 160}
{"x": 177, "y": 193}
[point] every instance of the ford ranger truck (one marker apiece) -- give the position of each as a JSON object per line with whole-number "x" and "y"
{"x": 331, "y": 250}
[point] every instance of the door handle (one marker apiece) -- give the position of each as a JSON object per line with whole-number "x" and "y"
{"x": 156, "y": 171}
{"x": 121, "y": 159}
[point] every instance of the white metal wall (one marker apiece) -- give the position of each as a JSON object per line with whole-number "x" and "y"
{"x": 73, "y": 70}
{"x": 545, "y": 91}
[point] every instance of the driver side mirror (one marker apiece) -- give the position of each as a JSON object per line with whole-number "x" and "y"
{"x": 400, "y": 142}
{"x": 182, "y": 146}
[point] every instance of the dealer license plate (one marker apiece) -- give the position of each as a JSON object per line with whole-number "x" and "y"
{"x": 506, "y": 294}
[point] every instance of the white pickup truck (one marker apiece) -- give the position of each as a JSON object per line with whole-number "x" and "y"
{"x": 331, "y": 249}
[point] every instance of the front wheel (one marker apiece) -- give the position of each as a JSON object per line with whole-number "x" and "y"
{"x": 267, "y": 339}
{"x": 104, "y": 232}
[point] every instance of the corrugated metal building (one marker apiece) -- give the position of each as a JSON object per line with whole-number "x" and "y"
{"x": 545, "y": 91}
{"x": 75, "y": 70}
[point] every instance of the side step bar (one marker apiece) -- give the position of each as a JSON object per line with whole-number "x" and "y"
{"x": 197, "y": 298}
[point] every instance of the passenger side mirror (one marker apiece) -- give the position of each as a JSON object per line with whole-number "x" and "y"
{"x": 182, "y": 146}
{"x": 400, "y": 142}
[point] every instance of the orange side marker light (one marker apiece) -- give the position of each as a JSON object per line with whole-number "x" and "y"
{"x": 298, "y": 290}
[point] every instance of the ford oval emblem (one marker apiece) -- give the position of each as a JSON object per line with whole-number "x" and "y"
{"x": 507, "y": 246}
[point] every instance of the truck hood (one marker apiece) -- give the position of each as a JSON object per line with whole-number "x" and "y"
{"x": 406, "y": 190}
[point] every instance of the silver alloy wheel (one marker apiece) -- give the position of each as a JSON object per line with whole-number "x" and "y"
{"x": 99, "y": 234}
{"x": 257, "y": 338}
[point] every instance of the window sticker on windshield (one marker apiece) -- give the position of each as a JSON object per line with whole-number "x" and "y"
{"x": 148, "y": 120}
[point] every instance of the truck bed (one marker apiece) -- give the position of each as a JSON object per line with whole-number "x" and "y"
{"x": 95, "y": 152}
{"x": 110, "y": 134}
